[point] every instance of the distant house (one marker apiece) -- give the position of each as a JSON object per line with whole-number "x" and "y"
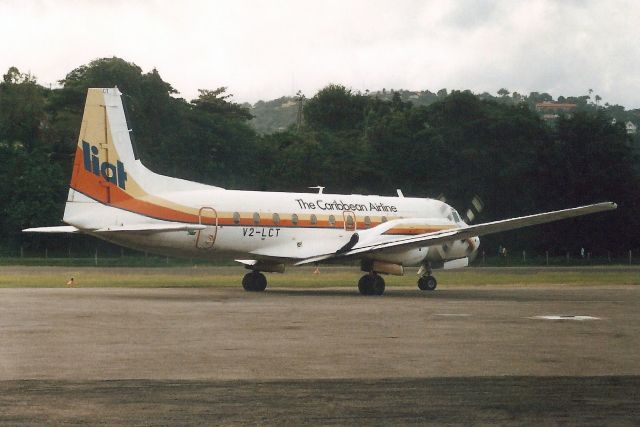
{"x": 290, "y": 103}
{"x": 550, "y": 110}
{"x": 631, "y": 128}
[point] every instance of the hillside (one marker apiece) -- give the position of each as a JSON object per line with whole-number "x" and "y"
{"x": 278, "y": 114}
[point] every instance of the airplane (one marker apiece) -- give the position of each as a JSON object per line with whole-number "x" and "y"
{"x": 114, "y": 197}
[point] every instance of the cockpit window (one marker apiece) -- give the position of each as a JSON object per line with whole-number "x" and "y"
{"x": 456, "y": 217}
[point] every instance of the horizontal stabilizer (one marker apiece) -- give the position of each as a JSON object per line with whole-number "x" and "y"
{"x": 150, "y": 228}
{"x": 59, "y": 229}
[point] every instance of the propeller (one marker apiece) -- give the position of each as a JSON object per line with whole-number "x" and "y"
{"x": 472, "y": 212}
{"x": 477, "y": 205}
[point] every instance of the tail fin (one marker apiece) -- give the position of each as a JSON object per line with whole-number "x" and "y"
{"x": 106, "y": 174}
{"x": 104, "y": 155}
{"x": 105, "y": 171}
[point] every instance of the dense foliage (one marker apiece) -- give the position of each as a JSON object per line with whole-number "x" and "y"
{"x": 456, "y": 145}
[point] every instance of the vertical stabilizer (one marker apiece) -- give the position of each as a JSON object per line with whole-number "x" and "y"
{"x": 107, "y": 182}
{"x": 104, "y": 156}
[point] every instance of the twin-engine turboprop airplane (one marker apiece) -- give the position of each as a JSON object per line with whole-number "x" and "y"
{"x": 112, "y": 196}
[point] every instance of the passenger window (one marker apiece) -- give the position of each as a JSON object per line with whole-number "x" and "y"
{"x": 349, "y": 221}
{"x": 367, "y": 221}
{"x": 383, "y": 219}
{"x": 276, "y": 218}
{"x": 332, "y": 220}
{"x": 236, "y": 218}
{"x": 314, "y": 219}
{"x": 294, "y": 219}
{"x": 256, "y": 218}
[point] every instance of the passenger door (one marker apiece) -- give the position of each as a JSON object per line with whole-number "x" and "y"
{"x": 349, "y": 221}
{"x": 206, "y": 237}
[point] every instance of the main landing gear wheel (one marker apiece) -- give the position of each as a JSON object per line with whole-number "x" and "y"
{"x": 254, "y": 282}
{"x": 371, "y": 284}
{"x": 427, "y": 283}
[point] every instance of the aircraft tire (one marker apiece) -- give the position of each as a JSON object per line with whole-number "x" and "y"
{"x": 427, "y": 283}
{"x": 371, "y": 285}
{"x": 365, "y": 285}
{"x": 247, "y": 282}
{"x": 254, "y": 282}
{"x": 378, "y": 286}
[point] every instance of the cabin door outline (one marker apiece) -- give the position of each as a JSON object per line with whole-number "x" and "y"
{"x": 206, "y": 238}
{"x": 350, "y": 222}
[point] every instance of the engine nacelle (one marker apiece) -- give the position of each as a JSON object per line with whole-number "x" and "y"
{"x": 411, "y": 257}
{"x": 382, "y": 267}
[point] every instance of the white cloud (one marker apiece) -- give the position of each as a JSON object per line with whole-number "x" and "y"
{"x": 263, "y": 50}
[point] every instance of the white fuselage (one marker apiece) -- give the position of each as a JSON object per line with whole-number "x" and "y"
{"x": 279, "y": 225}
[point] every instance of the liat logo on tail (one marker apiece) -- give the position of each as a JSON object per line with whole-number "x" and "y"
{"x": 115, "y": 174}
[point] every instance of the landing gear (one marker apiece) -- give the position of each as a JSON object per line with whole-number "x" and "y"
{"x": 371, "y": 284}
{"x": 427, "y": 283}
{"x": 254, "y": 282}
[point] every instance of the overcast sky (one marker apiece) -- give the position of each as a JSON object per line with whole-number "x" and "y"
{"x": 266, "y": 49}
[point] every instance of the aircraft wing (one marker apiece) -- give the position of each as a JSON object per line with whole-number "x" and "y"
{"x": 440, "y": 237}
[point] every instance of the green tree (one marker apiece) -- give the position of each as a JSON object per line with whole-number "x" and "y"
{"x": 217, "y": 102}
{"x": 22, "y": 110}
{"x": 590, "y": 160}
{"x": 335, "y": 108}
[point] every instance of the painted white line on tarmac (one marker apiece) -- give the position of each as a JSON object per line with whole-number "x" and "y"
{"x": 452, "y": 314}
{"x": 565, "y": 317}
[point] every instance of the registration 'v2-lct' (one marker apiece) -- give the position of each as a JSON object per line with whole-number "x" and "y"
{"x": 114, "y": 197}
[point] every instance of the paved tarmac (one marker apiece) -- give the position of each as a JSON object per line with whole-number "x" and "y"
{"x": 459, "y": 355}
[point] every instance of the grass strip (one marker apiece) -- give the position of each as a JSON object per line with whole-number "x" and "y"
{"x": 57, "y": 277}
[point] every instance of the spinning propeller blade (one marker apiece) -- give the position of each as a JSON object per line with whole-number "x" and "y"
{"x": 477, "y": 205}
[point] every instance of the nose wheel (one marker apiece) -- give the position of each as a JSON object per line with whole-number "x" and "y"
{"x": 371, "y": 284}
{"x": 254, "y": 282}
{"x": 427, "y": 283}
